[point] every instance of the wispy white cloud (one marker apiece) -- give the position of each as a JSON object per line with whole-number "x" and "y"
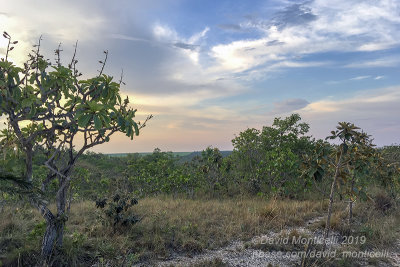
{"x": 358, "y": 78}
{"x": 129, "y": 38}
{"x": 190, "y": 46}
{"x": 164, "y": 33}
{"x": 315, "y": 27}
{"x": 379, "y": 62}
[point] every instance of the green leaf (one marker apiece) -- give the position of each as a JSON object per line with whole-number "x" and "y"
{"x": 97, "y": 122}
{"x": 345, "y": 148}
{"x": 33, "y": 111}
{"x": 121, "y": 123}
{"x": 93, "y": 106}
{"x": 136, "y": 128}
{"x": 104, "y": 92}
{"x": 129, "y": 131}
{"x": 83, "y": 120}
{"x": 318, "y": 174}
{"x": 106, "y": 119}
{"x": 69, "y": 103}
{"x": 26, "y": 103}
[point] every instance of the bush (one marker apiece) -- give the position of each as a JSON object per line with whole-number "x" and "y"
{"x": 383, "y": 202}
{"x": 118, "y": 211}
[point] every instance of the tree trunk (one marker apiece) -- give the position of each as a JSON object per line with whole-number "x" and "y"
{"x": 53, "y": 229}
{"x": 69, "y": 200}
{"x": 49, "y": 239}
{"x": 331, "y": 197}
{"x": 28, "y": 163}
{"x": 54, "y": 226}
{"x": 61, "y": 204}
{"x": 53, "y": 237}
{"x": 351, "y": 201}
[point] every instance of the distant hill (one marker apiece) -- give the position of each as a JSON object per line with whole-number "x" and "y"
{"x": 184, "y": 156}
{"x": 190, "y": 156}
{"x": 178, "y": 154}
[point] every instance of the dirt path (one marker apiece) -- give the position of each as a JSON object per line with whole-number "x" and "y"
{"x": 236, "y": 254}
{"x": 239, "y": 254}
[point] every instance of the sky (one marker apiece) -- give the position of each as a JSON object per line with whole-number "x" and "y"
{"x": 208, "y": 69}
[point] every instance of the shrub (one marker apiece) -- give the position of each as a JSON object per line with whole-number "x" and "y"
{"x": 383, "y": 202}
{"x": 118, "y": 211}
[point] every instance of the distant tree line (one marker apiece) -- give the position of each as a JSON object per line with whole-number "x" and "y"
{"x": 278, "y": 160}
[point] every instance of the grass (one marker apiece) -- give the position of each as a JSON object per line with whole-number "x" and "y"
{"x": 380, "y": 227}
{"x": 173, "y": 226}
{"x": 168, "y": 225}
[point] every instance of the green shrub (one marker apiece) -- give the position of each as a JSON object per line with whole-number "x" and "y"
{"x": 118, "y": 212}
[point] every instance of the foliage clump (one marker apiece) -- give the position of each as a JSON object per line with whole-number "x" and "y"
{"x": 117, "y": 211}
{"x": 383, "y": 202}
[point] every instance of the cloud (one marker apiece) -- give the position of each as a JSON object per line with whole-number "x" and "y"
{"x": 190, "y": 47}
{"x": 263, "y": 72}
{"x": 164, "y": 32}
{"x": 76, "y": 22}
{"x": 358, "y": 78}
{"x": 128, "y": 38}
{"x": 230, "y": 27}
{"x": 27, "y": 21}
{"x": 274, "y": 42}
{"x": 189, "y": 96}
{"x": 197, "y": 37}
{"x": 289, "y": 105}
{"x": 375, "y": 111}
{"x": 168, "y": 34}
{"x": 314, "y": 27}
{"x": 297, "y": 14}
{"x": 378, "y": 62}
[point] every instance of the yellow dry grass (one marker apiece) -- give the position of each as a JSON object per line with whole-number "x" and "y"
{"x": 172, "y": 225}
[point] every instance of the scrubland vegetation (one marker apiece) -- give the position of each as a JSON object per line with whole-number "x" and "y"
{"x": 186, "y": 207}
{"x": 61, "y": 205}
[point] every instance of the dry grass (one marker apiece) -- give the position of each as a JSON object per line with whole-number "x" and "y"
{"x": 382, "y": 229}
{"x": 168, "y": 225}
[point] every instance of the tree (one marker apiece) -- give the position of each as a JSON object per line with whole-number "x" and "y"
{"x": 247, "y": 155}
{"x": 210, "y": 169}
{"x": 347, "y": 161}
{"x": 361, "y": 156}
{"x": 49, "y": 106}
{"x": 272, "y": 157}
{"x": 283, "y": 144}
{"x": 388, "y": 168}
